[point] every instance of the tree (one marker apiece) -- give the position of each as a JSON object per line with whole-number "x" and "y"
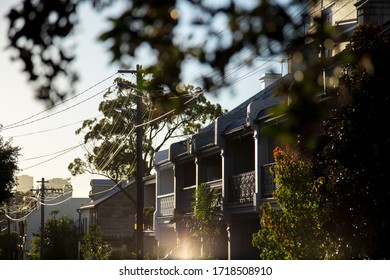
{"x": 292, "y": 228}
{"x": 8, "y": 245}
{"x": 113, "y": 151}
{"x": 207, "y": 218}
{"x": 351, "y": 156}
{"x": 148, "y": 217}
{"x": 60, "y": 241}
{"x": 8, "y": 168}
{"x": 354, "y": 151}
{"x": 172, "y": 33}
{"x": 203, "y": 227}
{"x": 94, "y": 247}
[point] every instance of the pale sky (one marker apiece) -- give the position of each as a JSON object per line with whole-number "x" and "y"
{"x": 17, "y": 102}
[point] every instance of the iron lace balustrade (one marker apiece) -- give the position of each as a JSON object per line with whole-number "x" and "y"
{"x": 268, "y": 185}
{"x": 166, "y": 205}
{"x": 242, "y": 187}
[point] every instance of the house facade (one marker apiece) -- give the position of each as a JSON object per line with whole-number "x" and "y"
{"x": 233, "y": 156}
{"x": 112, "y": 207}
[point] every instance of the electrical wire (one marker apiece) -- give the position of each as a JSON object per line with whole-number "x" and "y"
{"x": 241, "y": 65}
{"x": 122, "y": 143}
{"x": 109, "y": 189}
{"x": 22, "y": 207}
{"x": 115, "y": 123}
{"x": 111, "y": 155}
{"x": 49, "y": 198}
{"x": 58, "y": 112}
{"x": 353, "y": 10}
{"x": 57, "y": 203}
{"x": 51, "y": 154}
{"x": 7, "y": 213}
{"x": 16, "y": 124}
{"x": 50, "y": 129}
{"x": 148, "y": 122}
{"x": 61, "y": 154}
{"x": 22, "y": 218}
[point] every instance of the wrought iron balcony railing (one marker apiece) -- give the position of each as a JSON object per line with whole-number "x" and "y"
{"x": 268, "y": 185}
{"x": 165, "y": 205}
{"x": 242, "y": 187}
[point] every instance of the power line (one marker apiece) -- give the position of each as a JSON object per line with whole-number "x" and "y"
{"x": 235, "y": 69}
{"x": 50, "y": 129}
{"x": 15, "y": 124}
{"x": 54, "y": 153}
{"x": 22, "y": 218}
{"x": 61, "y": 154}
{"x": 150, "y": 121}
{"x": 20, "y": 208}
{"x": 57, "y": 203}
{"x": 67, "y": 150}
{"x": 112, "y": 155}
{"x": 58, "y": 112}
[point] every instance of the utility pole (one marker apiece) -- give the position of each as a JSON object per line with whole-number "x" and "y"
{"x": 139, "y": 169}
{"x": 42, "y": 198}
{"x": 140, "y": 173}
{"x": 9, "y": 256}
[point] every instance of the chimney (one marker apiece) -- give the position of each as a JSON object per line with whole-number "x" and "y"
{"x": 268, "y": 79}
{"x": 100, "y": 187}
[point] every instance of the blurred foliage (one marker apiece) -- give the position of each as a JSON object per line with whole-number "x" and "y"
{"x": 172, "y": 33}
{"x": 333, "y": 197}
{"x": 354, "y": 148}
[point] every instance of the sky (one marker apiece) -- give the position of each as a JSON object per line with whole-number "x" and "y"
{"x": 46, "y": 136}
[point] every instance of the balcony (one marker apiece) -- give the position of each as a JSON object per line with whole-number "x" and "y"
{"x": 242, "y": 187}
{"x": 268, "y": 185}
{"x": 165, "y": 205}
{"x": 216, "y": 184}
{"x": 187, "y": 195}
{"x": 186, "y": 199}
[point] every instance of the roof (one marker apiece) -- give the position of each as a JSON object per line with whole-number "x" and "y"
{"x": 102, "y": 182}
{"x": 204, "y": 138}
{"x": 255, "y": 107}
{"x": 109, "y": 193}
{"x": 161, "y": 157}
{"x": 244, "y": 115}
{"x": 179, "y": 149}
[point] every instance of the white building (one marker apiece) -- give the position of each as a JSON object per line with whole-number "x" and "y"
{"x": 24, "y": 183}
{"x": 65, "y": 204}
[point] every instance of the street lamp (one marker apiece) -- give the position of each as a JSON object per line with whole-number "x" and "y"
{"x": 139, "y": 168}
